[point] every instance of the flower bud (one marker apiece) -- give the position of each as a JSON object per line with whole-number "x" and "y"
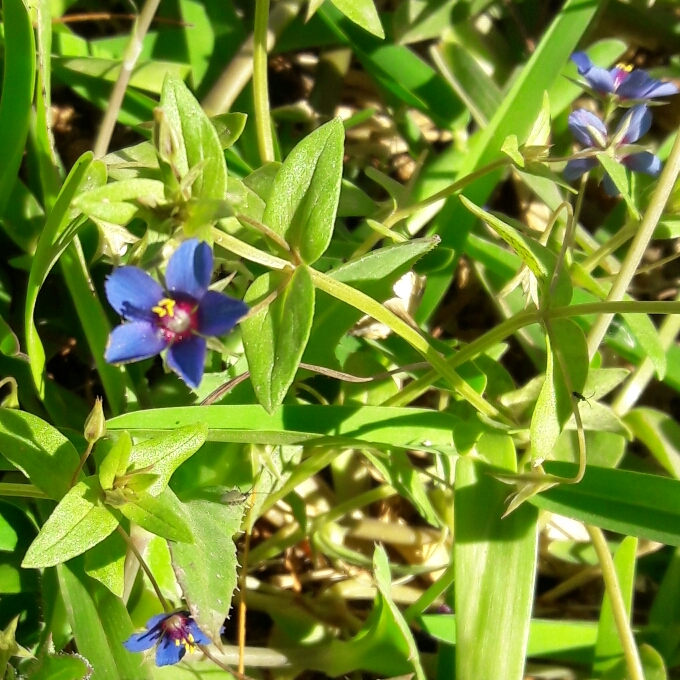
{"x": 95, "y": 425}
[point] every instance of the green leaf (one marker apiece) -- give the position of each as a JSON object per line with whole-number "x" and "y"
{"x": 100, "y": 625}
{"x": 17, "y": 93}
{"x": 660, "y": 433}
{"x": 229, "y": 127}
{"x": 374, "y": 274}
{"x": 166, "y": 454}
{"x": 52, "y": 243}
{"x": 363, "y": 13}
{"x": 118, "y": 202}
{"x": 608, "y": 648}
{"x": 106, "y": 563}
{"x": 39, "y": 450}
{"x": 62, "y": 667}
{"x": 492, "y": 646}
{"x": 199, "y": 144}
{"x": 207, "y": 569}
{"x": 79, "y": 522}
{"x": 618, "y": 174}
{"x": 647, "y": 335}
{"x": 306, "y": 191}
{"x": 555, "y": 402}
{"x": 161, "y": 515}
{"x": 116, "y": 461}
{"x": 275, "y": 338}
{"x": 414, "y": 428}
{"x": 631, "y": 503}
{"x": 535, "y": 256}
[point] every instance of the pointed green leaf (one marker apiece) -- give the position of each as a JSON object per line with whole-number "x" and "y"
{"x": 198, "y": 140}
{"x": 78, "y": 523}
{"x": 161, "y": 515}
{"x": 207, "y": 569}
{"x": 39, "y": 450}
{"x": 493, "y": 605}
{"x": 166, "y": 454}
{"x": 275, "y": 338}
{"x": 106, "y": 563}
{"x": 306, "y": 190}
{"x": 363, "y": 13}
{"x": 116, "y": 461}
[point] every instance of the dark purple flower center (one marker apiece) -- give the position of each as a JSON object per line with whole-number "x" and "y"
{"x": 178, "y": 319}
{"x": 176, "y": 627}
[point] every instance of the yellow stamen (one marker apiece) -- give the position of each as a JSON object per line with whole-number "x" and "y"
{"x": 625, "y": 67}
{"x": 176, "y": 642}
{"x": 191, "y": 638}
{"x": 165, "y": 307}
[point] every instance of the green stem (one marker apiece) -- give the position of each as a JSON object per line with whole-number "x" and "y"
{"x": 639, "y": 245}
{"x": 510, "y": 326}
{"x": 21, "y": 490}
{"x": 132, "y": 52}
{"x": 429, "y": 597}
{"x": 621, "y": 619}
{"x": 380, "y": 313}
{"x": 263, "y": 122}
{"x": 610, "y": 246}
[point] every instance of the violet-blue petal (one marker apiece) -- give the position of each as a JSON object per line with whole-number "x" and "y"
{"x": 599, "y": 79}
{"x": 200, "y": 638}
{"x": 168, "y": 653}
{"x": 190, "y": 269}
{"x": 645, "y": 161}
{"x": 187, "y": 359}
{"x": 636, "y": 123}
{"x": 219, "y": 313}
{"x": 140, "y": 642}
{"x": 577, "y": 167}
{"x": 157, "y": 619}
{"x": 609, "y": 186}
{"x": 640, "y": 85}
{"x": 132, "y": 293}
{"x": 134, "y": 341}
{"x": 579, "y": 123}
{"x": 663, "y": 89}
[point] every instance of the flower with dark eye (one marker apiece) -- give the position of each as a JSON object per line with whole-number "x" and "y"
{"x": 625, "y": 83}
{"x": 592, "y": 133}
{"x": 172, "y": 634}
{"x": 177, "y": 318}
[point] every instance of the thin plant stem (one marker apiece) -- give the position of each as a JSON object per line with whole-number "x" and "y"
{"x": 621, "y": 618}
{"x": 242, "y": 590}
{"x": 526, "y": 318}
{"x": 263, "y": 123}
{"x": 429, "y": 597}
{"x": 142, "y": 563}
{"x": 639, "y": 245}
{"x": 239, "y": 70}
{"x": 130, "y": 57}
{"x": 81, "y": 463}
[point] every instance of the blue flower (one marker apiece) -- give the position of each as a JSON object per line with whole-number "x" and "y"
{"x": 177, "y": 317}
{"x": 592, "y": 133}
{"x": 625, "y": 83}
{"x": 172, "y": 634}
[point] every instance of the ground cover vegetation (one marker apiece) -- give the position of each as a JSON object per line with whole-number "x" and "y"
{"x": 338, "y": 339}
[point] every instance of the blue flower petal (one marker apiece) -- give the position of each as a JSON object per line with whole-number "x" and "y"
{"x": 577, "y": 167}
{"x": 645, "y": 161}
{"x": 587, "y": 128}
{"x": 134, "y": 341}
{"x": 636, "y": 123}
{"x": 598, "y": 78}
{"x": 132, "y": 293}
{"x": 200, "y": 638}
{"x": 168, "y": 653}
{"x": 140, "y": 642}
{"x": 219, "y": 313}
{"x": 189, "y": 269}
{"x": 609, "y": 186}
{"x": 157, "y": 619}
{"x": 663, "y": 89}
{"x": 187, "y": 359}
